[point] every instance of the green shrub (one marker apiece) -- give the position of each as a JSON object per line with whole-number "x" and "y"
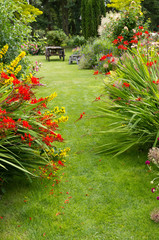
{"x": 91, "y": 51}
{"x": 15, "y": 18}
{"x": 56, "y": 38}
{"x": 76, "y": 41}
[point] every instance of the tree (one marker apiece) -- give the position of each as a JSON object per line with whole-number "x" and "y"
{"x": 59, "y": 14}
{"x": 91, "y": 12}
{"x": 122, "y": 4}
{"x": 151, "y": 10}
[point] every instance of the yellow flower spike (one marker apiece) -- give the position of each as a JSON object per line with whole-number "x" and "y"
{"x": 4, "y": 50}
{"x": 52, "y": 96}
{"x": 18, "y": 69}
{"x": 62, "y": 119}
{"x": 9, "y": 81}
{"x": 22, "y": 54}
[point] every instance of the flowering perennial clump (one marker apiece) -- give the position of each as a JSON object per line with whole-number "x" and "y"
{"x": 28, "y": 130}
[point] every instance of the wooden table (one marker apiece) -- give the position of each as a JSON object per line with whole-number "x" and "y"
{"x": 54, "y": 51}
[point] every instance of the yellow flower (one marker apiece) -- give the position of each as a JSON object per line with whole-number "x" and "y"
{"x": 4, "y": 50}
{"x": 52, "y": 96}
{"x": 17, "y": 70}
{"x": 58, "y": 111}
{"x": 14, "y": 63}
{"x": 28, "y": 78}
{"x": 9, "y": 81}
{"x": 62, "y": 119}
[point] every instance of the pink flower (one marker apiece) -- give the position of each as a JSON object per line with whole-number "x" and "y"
{"x": 147, "y": 162}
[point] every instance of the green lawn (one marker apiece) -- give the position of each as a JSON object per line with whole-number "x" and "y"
{"x": 109, "y": 198}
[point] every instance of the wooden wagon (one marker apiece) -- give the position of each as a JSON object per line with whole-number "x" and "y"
{"x": 54, "y": 51}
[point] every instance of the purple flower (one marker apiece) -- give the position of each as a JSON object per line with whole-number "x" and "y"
{"x": 158, "y": 198}
{"x": 147, "y": 162}
{"x": 153, "y": 190}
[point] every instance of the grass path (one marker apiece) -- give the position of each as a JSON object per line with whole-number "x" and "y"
{"x": 108, "y": 198}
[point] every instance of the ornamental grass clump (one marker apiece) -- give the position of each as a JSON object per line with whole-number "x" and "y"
{"x": 133, "y": 101}
{"x": 28, "y": 130}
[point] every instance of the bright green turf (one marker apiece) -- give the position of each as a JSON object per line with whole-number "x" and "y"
{"x": 111, "y": 198}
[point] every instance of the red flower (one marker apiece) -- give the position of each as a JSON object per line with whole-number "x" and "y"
{"x": 59, "y": 138}
{"x": 134, "y": 41}
{"x": 2, "y": 111}
{"x": 120, "y": 38}
{"x": 103, "y": 58}
{"x": 26, "y": 124}
{"x": 96, "y": 73}
{"x": 97, "y": 98}
{"x": 138, "y": 34}
{"x": 23, "y": 138}
{"x": 122, "y": 47}
{"x": 35, "y": 80}
{"x": 140, "y": 27}
{"x": 126, "y": 84}
{"x": 126, "y": 42}
{"x": 4, "y": 75}
{"x": 138, "y": 99}
{"x": 149, "y": 64}
{"x": 115, "y": 41}
{"x": 108, "y": 73}
{"x": 61, "y": 163}
{"x": 146, "y": 32}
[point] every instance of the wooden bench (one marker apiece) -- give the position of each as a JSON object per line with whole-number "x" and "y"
{"x": 54, "y": 51}
{"x": 74, "y": 57}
